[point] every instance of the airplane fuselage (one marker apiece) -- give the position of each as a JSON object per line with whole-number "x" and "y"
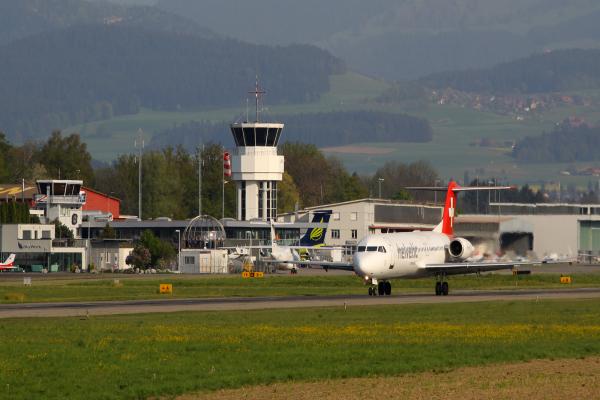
{"x": 399, "y": 255}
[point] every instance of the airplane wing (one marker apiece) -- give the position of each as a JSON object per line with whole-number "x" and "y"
{"x": 345, "y": 266}
{"x": 472, "y": 267}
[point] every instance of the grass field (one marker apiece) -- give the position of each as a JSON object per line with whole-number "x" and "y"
{"x": 142, "y": 356}
{"x": 450, "y": 151}
{"x": 136, "y": 288}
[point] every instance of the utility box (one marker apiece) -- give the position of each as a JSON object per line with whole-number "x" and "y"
{"x": 204, "y": 261}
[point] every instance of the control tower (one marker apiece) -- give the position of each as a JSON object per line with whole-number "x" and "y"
{"x": 256, "y": 167}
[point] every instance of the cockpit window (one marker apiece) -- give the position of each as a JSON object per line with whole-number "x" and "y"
{"x": 381, "y": 249}
{"x": 361, "y": 249}
{"x": 371, "y": 248}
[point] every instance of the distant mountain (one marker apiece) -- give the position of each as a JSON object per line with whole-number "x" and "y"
{"x": 320, "y": 129}
{"x": 22, "y": 18}
{"x": 405, "y": 39}
{"x": 553, "y": 71}
{"x": 85, "y": 73}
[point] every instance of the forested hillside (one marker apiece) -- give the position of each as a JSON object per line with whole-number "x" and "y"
{"x": 22, "y": 18}
{"x": 86, "y": 73}
{"x": 566, "y": 143}
{"x": 405, "y": 39}
{"x": 549, "y": 72}
{"x": 322, "y": 129}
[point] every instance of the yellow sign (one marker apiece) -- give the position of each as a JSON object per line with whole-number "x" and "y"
{"x": 247, "y": 274}
{"x": 565, "y": 279}
{"x": 165, "y": 288}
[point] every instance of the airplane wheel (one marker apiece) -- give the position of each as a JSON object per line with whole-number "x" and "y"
{"x": 438, "y": 288}
{"x": 371, "y": 291}
{"x": 381, "y": 288}
{"x": 388, "y": 288}
{"x": 445, "y": 288}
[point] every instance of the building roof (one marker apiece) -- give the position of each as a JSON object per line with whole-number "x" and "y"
{"x": 88, "y": 189}
{"x": 15, "y": 191}
{"x": 368, "y": 200}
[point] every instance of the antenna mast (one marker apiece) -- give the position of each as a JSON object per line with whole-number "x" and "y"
{"x": 257, "y": 93}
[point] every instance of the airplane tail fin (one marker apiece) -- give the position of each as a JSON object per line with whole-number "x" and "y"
{"x": 446, "y": 226}
{"x": 316, "y": 236}
{"x": 9, "y": 261}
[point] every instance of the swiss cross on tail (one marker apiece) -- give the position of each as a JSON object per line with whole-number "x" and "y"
{"x": 447, "y": 225}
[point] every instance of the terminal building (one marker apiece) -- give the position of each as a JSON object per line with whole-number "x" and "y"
{"x": 567, "y": 230}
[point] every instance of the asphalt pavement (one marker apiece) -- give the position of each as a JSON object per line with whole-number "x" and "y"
{"x": 85, "y": 309}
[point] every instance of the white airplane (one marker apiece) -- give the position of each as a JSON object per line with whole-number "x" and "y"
{"x": 408, "y": 255}
{"x": 9, "y": 264}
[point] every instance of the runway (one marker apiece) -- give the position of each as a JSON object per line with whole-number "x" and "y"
{"x": 28, "y": 310}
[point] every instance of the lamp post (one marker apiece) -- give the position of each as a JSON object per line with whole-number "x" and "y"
{"x": 178, "y": 249}
{"x": 379, "y": 180}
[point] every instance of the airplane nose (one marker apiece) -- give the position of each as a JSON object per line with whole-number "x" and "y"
{"x": 362, "y": 265}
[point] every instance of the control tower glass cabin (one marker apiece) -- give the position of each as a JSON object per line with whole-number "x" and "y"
{"x": 256, "y": 168}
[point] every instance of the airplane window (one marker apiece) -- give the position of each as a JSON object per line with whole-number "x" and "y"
{"x": 382, "y": 249}
{"x": 372, "y": 248}
{"x": 361, "y": 249}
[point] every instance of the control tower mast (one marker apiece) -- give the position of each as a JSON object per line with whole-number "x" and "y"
{"x": 255, "y": 165}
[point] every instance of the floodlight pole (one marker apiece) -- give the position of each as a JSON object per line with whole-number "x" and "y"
{"x": 178, "y": 249}
{"x": 140, "y": 146}
{"x": 379, "y": 180}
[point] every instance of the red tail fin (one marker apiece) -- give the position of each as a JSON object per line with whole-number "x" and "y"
{"x": 449, "y": 209}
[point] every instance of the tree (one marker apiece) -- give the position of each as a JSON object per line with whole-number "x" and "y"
{"x": 61, "y": 231}
{"x": 397, "y": 175}
{"x": 140, "y": 257}
{"x": 109, "y": 232}
{"x": 67, "y": 157}
{"x": 161, "y": 252}
{"x": 288, "y": 197}
{"x": 5, "y": 149}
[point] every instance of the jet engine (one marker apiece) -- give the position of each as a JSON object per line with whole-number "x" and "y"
{"x": 460, "y": 249}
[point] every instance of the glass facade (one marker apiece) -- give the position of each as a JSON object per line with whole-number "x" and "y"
{"x": 256, "y": 135}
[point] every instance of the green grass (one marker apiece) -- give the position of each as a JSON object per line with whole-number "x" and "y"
{"x": 450, "y": 151}
{"x": 141, "y": 356}
{"x": 136, "y": 288}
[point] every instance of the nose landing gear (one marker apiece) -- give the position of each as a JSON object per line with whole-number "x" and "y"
{"x": 383, "y": 288}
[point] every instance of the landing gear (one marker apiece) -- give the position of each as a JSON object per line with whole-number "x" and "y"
{"x": 441, "y": 286}
{"x": 382, "y": 289}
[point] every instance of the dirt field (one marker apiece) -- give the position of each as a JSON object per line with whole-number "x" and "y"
{"x": 540, "y": 379}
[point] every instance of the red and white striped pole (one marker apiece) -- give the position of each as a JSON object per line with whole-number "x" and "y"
{"x": 226, "y": 165}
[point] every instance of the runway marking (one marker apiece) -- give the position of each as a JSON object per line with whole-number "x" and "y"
{"x": 28, "y": 310}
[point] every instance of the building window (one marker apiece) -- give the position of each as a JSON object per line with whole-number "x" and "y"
{"x": 46, "y": 234}
{"x": 336, "y": 216}
{"x": 26, "y": 235}
{"x": 353, "y": 216}
{"x": 354, "y": 234}
{"x": 335, "y": 233}
{"x": 189, "y": 260}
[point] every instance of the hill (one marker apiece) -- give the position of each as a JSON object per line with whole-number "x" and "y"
{"x": 86, "y": 73}
{"x": 549, "y": 72}
{"x": 320, "y": 129}
{"x": 23, "y": 18}
{"x": 405, "y": 39}
{"x": 566, "y": 143}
